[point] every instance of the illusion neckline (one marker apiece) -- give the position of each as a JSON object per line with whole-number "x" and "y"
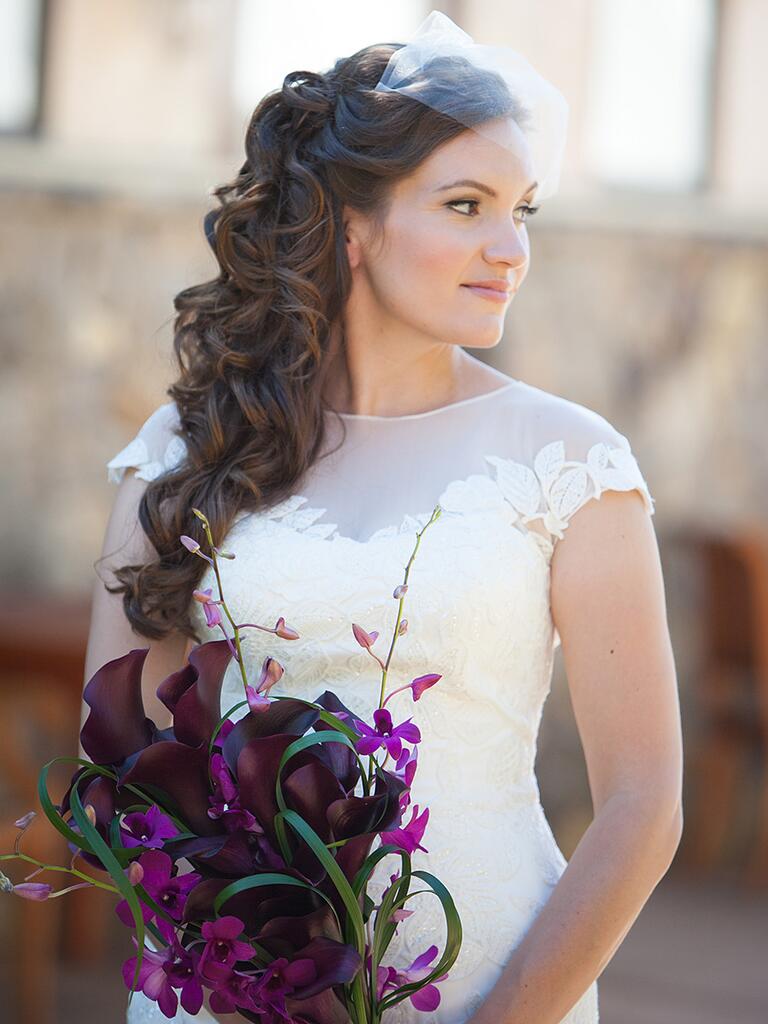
{"x": 354, "y": 416}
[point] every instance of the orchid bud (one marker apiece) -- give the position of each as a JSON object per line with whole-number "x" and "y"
{"x": 26, "y": 820}
{"x": 203, "y": 596}
{"x": 33, "y": 890}
{"x": 271, "y": 672}
{"x": 285, "y": 631}
{"x": 203, "y": 518}
{"x": 257, "y": 702}
{"x": 401, "y": 914}
{"x": 223, "y": 554}
{"x": 189, "y": 543}
{"x": 422, "y": 683}
{"x": 135, "y": 872}
{"x": 400, "y": 591}
{"x": 363, "y": 638}
{"x": 403, "y": 627}
{"x": 212, "y": 614}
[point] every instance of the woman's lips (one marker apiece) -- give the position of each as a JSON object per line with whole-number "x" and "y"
{"x": 494, "y": 294}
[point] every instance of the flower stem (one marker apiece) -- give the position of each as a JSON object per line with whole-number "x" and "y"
{"x": 57, "y": 867}
{"x": 436, "y": 512}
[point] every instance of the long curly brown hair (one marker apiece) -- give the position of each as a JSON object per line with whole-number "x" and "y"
{"x": 254, "y": 345}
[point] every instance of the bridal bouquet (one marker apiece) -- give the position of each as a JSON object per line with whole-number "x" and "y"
{"x": 244, "y": 847}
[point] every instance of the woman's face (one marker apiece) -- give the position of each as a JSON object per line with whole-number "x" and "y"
{"x": 439, "y": 237}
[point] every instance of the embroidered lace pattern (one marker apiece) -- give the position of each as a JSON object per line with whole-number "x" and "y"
{"x": 479, "y": 614}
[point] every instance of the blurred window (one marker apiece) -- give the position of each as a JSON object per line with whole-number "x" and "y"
{"x": 21, "y": 51}
{"x": 271, "y": 39}
{"x": 650, "y": 93}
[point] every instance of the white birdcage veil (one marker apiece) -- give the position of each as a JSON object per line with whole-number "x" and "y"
{"x": 439, "y": 67}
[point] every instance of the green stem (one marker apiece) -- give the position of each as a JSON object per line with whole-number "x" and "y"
{"x": 58, "y": 867}
{"x": 395, "y": 633}
{"x": 236, "y": 636}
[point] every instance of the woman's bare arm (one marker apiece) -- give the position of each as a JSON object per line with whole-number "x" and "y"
{"x": 607, "y": 598}
{"x": 110, "y": 635}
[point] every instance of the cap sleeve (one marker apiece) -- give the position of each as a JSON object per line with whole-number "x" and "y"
{"x": 154, "y": 450}
{"x": 573, "y": 455}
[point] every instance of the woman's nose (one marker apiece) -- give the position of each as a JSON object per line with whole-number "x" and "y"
{"x": 510, "y": 246}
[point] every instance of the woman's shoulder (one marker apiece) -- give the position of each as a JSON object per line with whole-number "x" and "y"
{"x": 554, "y": 454}
{"x": 545, "y": 417}
{"x": 155, "y": 448}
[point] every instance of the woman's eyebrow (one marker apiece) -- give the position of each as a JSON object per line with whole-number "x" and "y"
{"x": 471, "y": 183}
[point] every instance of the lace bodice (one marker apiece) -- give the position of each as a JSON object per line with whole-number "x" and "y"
{"x": 510, "y": 469}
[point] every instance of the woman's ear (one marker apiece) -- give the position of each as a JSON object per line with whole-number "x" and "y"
{"x": 352, "y": 236}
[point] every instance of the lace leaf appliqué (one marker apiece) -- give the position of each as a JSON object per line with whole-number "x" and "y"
{"x": 136, "y": 454}
{"x": 556, "y": 488}
{"x": 551, "y": 491}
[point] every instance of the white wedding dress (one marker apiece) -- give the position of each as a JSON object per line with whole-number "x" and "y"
{"x": 510, "y": 468}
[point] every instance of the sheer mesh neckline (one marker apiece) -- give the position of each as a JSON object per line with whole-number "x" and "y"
{"x": 430, "y": 412}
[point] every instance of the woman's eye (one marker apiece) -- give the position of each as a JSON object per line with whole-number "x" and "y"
{"x": 528, "y": 211}
{"x": 464, "y": 202}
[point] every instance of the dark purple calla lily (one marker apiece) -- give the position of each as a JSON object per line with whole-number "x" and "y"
{"x": 117, "y": 725}
{"x": 284, "y": 717}
{"x": 309, "y": 791}
{"x": 193, "y": 695}
{"x": 323, "y": 1008}
{"x": 323, "y": 962}
{"x": 283, "y": 934}
{"x": 337, "y": 756}
{"x": 182, "y": 773}
{"x": 256, "y": 774}
{"x": 245, "y": 905}
{"x": 100, "y": 792}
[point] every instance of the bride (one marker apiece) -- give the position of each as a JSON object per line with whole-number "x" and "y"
{"x": 324, "y": 405}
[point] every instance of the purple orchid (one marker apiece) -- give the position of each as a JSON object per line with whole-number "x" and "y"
{"x": 409, "y": 838}
{"x": 290, "y": 988}
{"x": 233, "y": 992}
{"x": 164, "y": 970}
{"x": 427, "y": 998}
{"x": 405, "y": 770}
{"x": 210, "y": 606}
{"x": 222, "y": 948}
{"x": 225, "y": 801}
{"x": 385, "y": 735}
{"x": 149, "y": 828}
{"x": 169, "y": 892}
{"x": 401, "y": 913}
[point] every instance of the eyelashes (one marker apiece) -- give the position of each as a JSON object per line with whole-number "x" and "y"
{"x": 527, "y": 210}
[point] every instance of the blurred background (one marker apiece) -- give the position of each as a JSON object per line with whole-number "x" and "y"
{"x": 647, "y": 301}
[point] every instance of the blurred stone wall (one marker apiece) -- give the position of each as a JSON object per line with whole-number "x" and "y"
{"x": 652, "y": 309}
